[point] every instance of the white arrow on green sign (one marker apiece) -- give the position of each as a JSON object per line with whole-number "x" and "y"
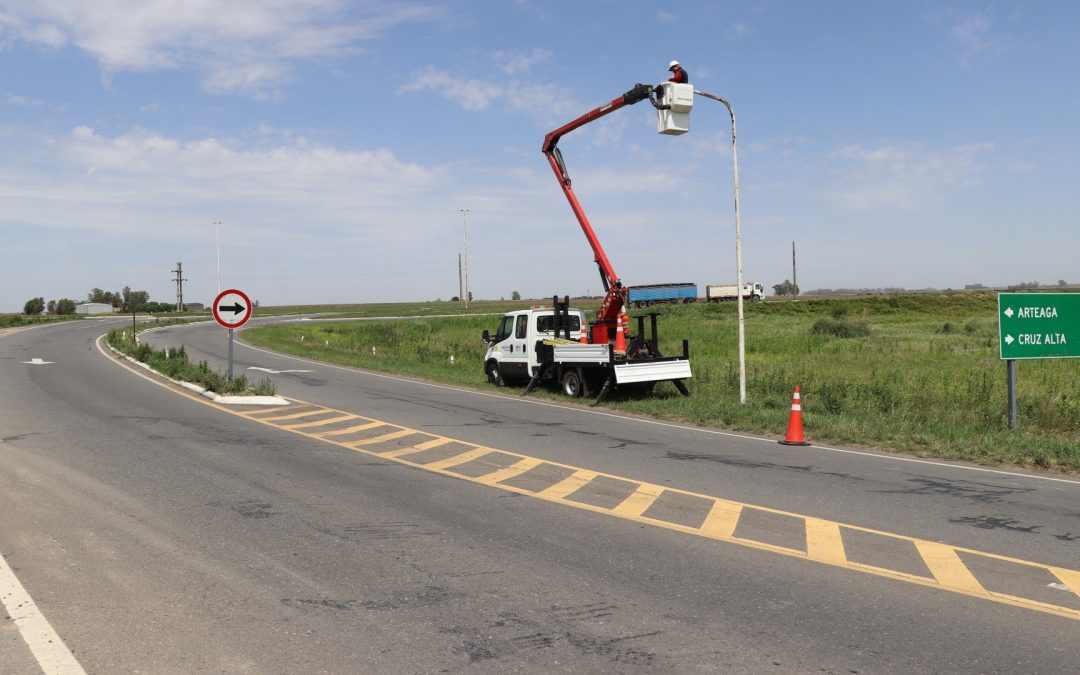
{"x": 1039, "y": 325}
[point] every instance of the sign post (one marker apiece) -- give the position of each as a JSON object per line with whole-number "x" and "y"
{"x": 232, "y": 309}
{"x": 1036, "y": 326}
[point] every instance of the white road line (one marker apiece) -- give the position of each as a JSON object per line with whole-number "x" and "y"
{"x": 670, "y": 425}
{"x": 45, "y": 644}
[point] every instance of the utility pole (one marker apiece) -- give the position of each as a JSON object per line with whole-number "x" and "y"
{"x": 460, "y": 281}
{"x": 465, "y": 231}
{"x": 179, "y": 286}
{"x": 794, "y": 279}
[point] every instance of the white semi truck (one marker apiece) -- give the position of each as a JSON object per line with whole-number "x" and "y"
{"x": 752, "y": 291}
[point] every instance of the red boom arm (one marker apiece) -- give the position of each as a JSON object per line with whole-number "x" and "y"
{"x": 615, "y": 298}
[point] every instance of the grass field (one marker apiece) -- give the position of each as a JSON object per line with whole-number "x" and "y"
{"x": 917, "y": 373}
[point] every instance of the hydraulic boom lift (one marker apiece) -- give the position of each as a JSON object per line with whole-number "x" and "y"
{"x": 603, "y": 327}
{"x": 542, "y": 344}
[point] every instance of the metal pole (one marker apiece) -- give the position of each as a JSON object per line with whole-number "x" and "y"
{"x": 217, "y": 243}
{"x": 794, "y": 279}
{"x": 230, "y": 353}
{"x": 738, "y": 246}
{"x": 1010, "y": 369}
{"x": 465, "y": 240}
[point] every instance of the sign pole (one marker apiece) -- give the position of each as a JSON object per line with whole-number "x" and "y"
{"x": 1010, "y": 369}
{"x": 230, "y": 353}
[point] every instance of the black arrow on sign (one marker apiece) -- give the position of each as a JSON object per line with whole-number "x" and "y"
{"x": 235, "y": 308}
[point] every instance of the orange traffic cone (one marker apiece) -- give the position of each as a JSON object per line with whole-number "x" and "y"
{"x": 794, "y": 426}
{"x": 620, "y": 334}
{"x": 584, "y": 339}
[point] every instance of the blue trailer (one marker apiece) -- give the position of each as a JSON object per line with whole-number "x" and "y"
{"x": 651, "y": 294}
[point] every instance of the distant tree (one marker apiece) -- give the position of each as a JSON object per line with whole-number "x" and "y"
{"x": 65, "y": 306}
{"x": 470, "y": 296}
{"x": 455, "y": 299}
{"x": 34, "y": 306}
{"x": 134, "y": 301}
{"x": 51, "y": 307}
{"x": 1062, "y": 282}
{"x": 973, "y": 287}
{"x": 786, "y": 288}
{"x": 515, "y": 296}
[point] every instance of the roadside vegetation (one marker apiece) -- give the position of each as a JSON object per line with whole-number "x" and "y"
{"x": 174, "y": 363}
{"x": 18, "y": 320}
{"x": 916, "y": 372}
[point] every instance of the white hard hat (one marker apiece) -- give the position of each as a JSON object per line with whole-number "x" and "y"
{"x": 672, "y": 65}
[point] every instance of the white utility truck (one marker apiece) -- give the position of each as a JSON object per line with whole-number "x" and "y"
{"x": 543, "y": 344}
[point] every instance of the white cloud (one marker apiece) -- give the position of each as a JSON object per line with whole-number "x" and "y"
{"x": 469, "y": 94}
{"x": 902, "y": 175}
{"x": 514, "y": 62}
{"x": 544, "y": 102}
{"x": 23, "y": 102}
{"x": 242, "y": 45}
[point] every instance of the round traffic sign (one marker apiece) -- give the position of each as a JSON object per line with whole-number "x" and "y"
{"x": 232, "y": 308}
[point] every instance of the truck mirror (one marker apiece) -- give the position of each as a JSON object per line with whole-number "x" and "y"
{"x": 486, "y": 337}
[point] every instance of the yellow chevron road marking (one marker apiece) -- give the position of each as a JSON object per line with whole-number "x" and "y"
{"x": 516, "y": 469}
{"x": 1070, "y": 578}
{"x": 823, "y": 543}
{"x": 393, "y": 435}
{"x": 293, "y": 416}
{"x": 722, "y": 520}
{"x": 456, "y": 460}
{"x": 639, "y": 502}
{"x": 350, "y": 430}
{"x": 568, "y": 485}
{"x": 319, "y": 423}
{"x": 947, "y": 567}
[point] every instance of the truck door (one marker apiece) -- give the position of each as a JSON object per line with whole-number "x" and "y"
{"x": 515, "y": 350}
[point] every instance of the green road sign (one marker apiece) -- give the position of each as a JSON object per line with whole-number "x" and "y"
{"x": 1039, "y": 325}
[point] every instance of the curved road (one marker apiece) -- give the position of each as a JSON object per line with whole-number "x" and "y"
{"x": 378, "y": 524}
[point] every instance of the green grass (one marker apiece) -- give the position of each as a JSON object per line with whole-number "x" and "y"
{"x": 917, "y": 373}
{"x": 174, "y": 363}
{"x": 16, "y": 320}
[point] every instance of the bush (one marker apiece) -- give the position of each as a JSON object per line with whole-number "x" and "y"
{"x": 840, "y": 328}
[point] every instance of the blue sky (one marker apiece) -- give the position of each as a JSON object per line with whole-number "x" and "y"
{"x": 911, "y": 144}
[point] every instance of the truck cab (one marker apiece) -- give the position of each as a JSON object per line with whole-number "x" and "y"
{"x": 511, "y": 354}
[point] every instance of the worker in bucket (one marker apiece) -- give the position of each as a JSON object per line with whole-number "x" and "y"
{"x": 678, "y": 73}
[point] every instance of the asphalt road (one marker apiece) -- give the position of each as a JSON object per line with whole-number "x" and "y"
{"x": 159, "y": 533}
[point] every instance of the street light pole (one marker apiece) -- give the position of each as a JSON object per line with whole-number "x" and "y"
{"x": 217, "y": 243}
{"x": 465, "y": 241}
{"x": 738, "y": 247}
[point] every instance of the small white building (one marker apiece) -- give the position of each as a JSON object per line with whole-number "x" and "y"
{"x": 94, "y": 308}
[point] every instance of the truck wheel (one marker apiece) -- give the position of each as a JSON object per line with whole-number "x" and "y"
{"x": 755, "y": 298}
{"x": 572, "y": 384}
{"x": 493, "y": 376}
{"x": 639, "y": 304}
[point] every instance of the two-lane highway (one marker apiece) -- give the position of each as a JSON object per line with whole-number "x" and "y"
{"x": 378, "y": 524}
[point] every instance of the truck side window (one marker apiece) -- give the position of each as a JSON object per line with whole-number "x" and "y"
{"x": 546, "y": 323}
{"x": 504, "y": 328}
{"x": 522, "y": 326}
